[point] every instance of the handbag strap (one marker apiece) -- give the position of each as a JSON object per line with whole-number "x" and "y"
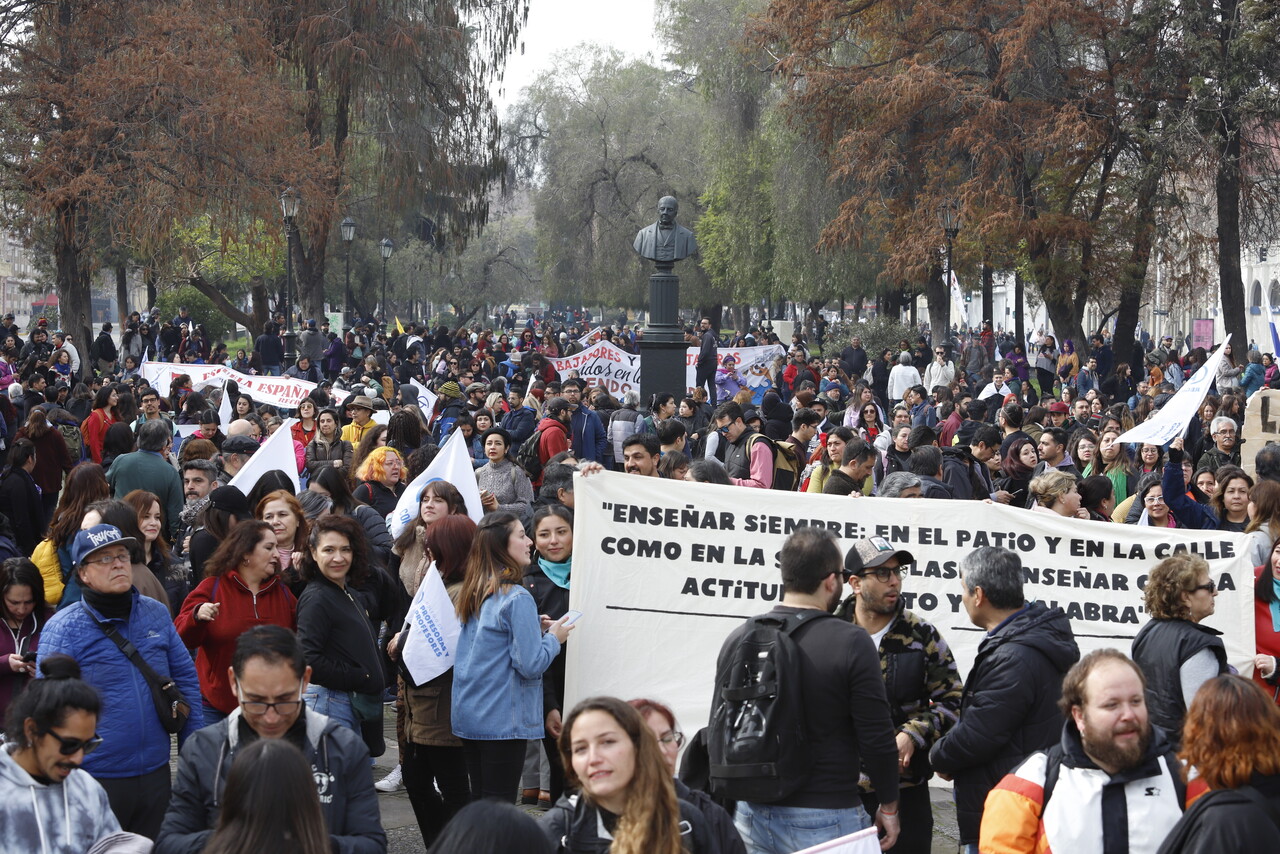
{"x": 131, "y": 652}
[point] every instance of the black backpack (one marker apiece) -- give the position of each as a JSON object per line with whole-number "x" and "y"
{"x": 528, "y": 455}
{"x": 757, "y": 744}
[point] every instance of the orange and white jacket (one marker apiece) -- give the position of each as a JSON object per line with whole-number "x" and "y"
{"x": 1089, "y": 810}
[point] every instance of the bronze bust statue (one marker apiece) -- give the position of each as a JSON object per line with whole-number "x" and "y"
{"x": 664, "y": 241}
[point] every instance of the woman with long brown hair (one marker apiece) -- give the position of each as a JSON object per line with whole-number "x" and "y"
{"x": 432, "y": 764}
{"x": 282, "y": 511}
{"x": 1232, "y": 739}
{"x": 53, "y": 461}
{"x": 155, "y": 548}
{"x": 86, "y": 484}
{"x": 241, "y": 589}
{"x": 270, "y": 804}
{"x": 439, "y": 499}
{"x": 94, "y": 428}
{"x": 635, "y": 802}
{"x": 501, "y": 656}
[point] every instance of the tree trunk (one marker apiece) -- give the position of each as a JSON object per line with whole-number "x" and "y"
{"x": 938, "y": 297}
{"x": 1019, "y": 300}
{"x": 122, "y": 295}
{"x": 1227, "y": 190}
{"x": 72, "y": 286}
{"x": 152, "y": 287}
{"x": 988, "y": 294}
{"x": 225, "y": 306}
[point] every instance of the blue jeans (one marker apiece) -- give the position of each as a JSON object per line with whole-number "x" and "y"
{"x": 211, "y": 714}
{"x": 271, "y": 370}
{"x": 767, "y": 829}
{"x": 333, "y": 704}
{"x": 969, "y": 849}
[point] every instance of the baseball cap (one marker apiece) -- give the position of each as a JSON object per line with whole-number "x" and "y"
{"x": 556, "y": 404}
{"x": 230, "y": 499}
{"x": 239, "y": 445}
{"x": 1059, "y": 408}
{"x": 872, "y": 552}
{"x": 95, "y": 539}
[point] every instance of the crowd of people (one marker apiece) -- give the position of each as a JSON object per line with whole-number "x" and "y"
{"x": 264, "y": 627}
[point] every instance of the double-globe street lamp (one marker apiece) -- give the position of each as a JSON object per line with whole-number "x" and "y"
{"x": 290, "y": 201}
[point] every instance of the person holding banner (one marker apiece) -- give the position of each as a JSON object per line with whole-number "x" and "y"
{"x": 501, "y": 656}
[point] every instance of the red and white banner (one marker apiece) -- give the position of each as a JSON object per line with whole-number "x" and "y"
{"x": 283, "y": 392}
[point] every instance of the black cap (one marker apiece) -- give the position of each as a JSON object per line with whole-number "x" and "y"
{"x": 239, "y": 445}
{"x": 231, "y": 500}
{"x": 556, "y": 404}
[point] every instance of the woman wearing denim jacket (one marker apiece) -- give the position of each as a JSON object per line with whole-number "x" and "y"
{"x": 501, "y": 656}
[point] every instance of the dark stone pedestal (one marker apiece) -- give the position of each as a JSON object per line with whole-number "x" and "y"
{"x": 663, "y": 348}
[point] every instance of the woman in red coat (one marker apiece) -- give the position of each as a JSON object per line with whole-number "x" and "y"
{"x": 94, "y": 428}
{"x": 241, "y": 590}
{"x": 1266, "y": 623}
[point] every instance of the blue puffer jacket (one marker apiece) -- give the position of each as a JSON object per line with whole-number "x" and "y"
{"x": 497, "y": 671}
{"x": 520, "y": 423}
{"x": 588, "y": 435}
{"x": 133, "y": 742}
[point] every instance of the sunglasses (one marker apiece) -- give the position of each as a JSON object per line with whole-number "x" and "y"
{"x": 1208, "y": 587}
{"x": 71, "y": 746}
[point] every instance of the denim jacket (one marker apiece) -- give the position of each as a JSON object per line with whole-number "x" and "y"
{"x": 497, "y": 671}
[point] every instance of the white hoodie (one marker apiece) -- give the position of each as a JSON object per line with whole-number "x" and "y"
{"x": 58, "y": 818}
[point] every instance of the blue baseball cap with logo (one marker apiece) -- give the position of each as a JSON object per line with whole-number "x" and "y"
{"x": 95, "y": 539}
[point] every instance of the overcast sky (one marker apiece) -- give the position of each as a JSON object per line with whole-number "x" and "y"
{"x": 556, "y": 25}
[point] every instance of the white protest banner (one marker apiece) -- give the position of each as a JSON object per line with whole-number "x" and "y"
{"x": 664, "y": 571}
{"x": 283, "y": 392}
{"x": 591, "y": 337}
{"x": 750, "y": 363}
{"x": 1172, "y": 419}
{"x": 426, "y": 400}
{"x": 452, "y": 464}
{"x": 434, "y": 629}
{"x": 275, "y": 454}
{"x": 863, "y": 842}
{"x": 161, "y": 374}
{"x": 225, "y": 411}
{"x": 603, "y": 364}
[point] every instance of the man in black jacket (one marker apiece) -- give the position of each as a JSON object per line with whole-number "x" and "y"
{"x": 1010, "y": 704}
{"x": 103, "y": 353}
{"x": 269, "y": 675}
{"x": 708, "y": 359}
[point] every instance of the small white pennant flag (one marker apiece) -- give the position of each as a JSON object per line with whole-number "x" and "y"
{"x": 274, "y": 454}
{"x": 452, "y": 464}
{"x": 224, "y": 408}
{"x": 426, "y": 400}
{"x": 433, "y": 629}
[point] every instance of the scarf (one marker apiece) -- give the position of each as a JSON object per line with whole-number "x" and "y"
{"x": 557, "y": 572}
{"x": 113, "y": 606}
{"x": 1275, "y": 604}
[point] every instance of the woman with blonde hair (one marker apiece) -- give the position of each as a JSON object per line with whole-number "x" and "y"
{"x": 380, "y": 484}
{"x": 635, "y": 802}
{"x": 1175, "y": 651}
{"x": 1056, "y": 492}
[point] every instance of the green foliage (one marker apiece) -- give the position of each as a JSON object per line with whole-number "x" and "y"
{"x": 202, "y": 309}
{"x": 878, "y": 334}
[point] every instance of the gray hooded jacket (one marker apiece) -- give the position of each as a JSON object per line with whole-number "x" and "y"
{"x": 55, "y": 818}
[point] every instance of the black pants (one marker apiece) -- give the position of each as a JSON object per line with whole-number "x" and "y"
{"x": 555, "y": 769}
{"x": 495, "y": 768}
{"x": 426, "y": 767}
{"x": 706, "y": 377}
{"x": 139, "y": 802}
{"x": 915, "y": 817}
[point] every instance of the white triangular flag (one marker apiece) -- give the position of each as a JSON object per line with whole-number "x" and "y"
{"x": 224, "y": 408}
{"x": 426, "y": 400}
{"x": 452, "y": 464}
{"x": 433, "y": 629}
{"x": 274, "y": 454}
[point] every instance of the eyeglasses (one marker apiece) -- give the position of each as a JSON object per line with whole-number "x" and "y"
{"x": 1208, "y": 587}
{"x": 1154, "y": 499}
{"x": 71, "y": 746}
{"x": 882, "y": 574}
{"x": 109, "y": 560}
{"x": 675, "y": 737}
{"x": 283, "y": 708}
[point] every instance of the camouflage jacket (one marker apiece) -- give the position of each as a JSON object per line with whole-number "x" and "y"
{"x": 922, "y": 683}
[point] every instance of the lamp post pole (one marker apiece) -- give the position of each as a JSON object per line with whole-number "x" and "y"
{"x": 949, "y": 218}
{"x": 348, "y": 229}
{"x": 290, "y": 201}
{"x": 386, "y": 247}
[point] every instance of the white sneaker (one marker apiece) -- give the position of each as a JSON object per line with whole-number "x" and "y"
{"x": 393, "y": 782}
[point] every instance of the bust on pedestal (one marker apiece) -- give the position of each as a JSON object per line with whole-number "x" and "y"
{"x": 663, "y": 346}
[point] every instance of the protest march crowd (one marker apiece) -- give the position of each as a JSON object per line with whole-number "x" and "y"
{"x": 388, "y": 528}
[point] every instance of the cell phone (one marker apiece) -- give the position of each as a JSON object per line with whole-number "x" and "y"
{"x": 571, "y": 617}
{"x": 28, "y": 656}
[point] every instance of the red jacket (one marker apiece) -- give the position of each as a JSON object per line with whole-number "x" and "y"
{"x": 554, "y": 440}
{"x": 94, "y": 432}
{"x": 1268, "y": 639}
{"x": 216, "y": 639}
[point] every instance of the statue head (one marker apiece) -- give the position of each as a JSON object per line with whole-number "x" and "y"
{"x": 668, "y": 207}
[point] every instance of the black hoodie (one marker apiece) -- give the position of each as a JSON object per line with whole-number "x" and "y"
{"x": 1009, "y": 709}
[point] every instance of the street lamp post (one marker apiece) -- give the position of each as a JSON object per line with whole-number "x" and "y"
{"x": 386, "y": 247}
{"x": 949, "y": 218}
{"x": 348, "y": 229}
{"x": 290, "y": 201}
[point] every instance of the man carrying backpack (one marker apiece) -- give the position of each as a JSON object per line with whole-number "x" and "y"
{"x": 749, "y": 460}
{"x": 799, "y": 710}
